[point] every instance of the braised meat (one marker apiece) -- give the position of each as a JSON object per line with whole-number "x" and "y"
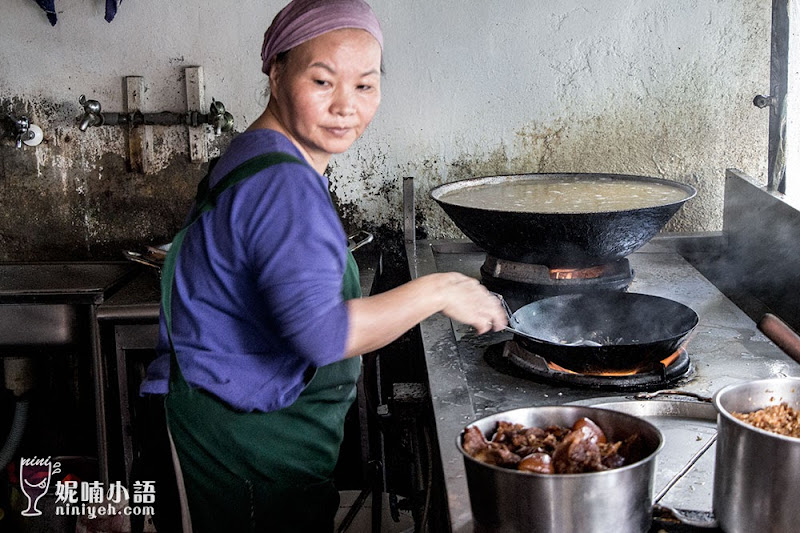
{"x": 492, "y": 453}
{"x": 537, "y": 462}
{"x": 577, "y": 453}
{"x": 550, "y": 450}
{"x": 473, "y": 441}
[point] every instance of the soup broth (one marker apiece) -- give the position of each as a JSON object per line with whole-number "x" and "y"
{"x": 565, "y": 195}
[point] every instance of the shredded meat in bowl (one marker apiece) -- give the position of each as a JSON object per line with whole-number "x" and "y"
{"x": 780, "y": 419}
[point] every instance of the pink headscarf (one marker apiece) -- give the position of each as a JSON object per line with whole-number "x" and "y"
{"x": 302, "y": 20}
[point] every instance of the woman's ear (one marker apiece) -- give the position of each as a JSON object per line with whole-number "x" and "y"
{"x": 275, "y": 71}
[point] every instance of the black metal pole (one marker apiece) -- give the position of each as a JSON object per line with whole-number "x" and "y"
{"x": 409, "y": 210}
{"x": 779, "y": 72}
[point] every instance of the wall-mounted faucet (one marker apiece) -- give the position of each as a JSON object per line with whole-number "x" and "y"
{"x": 91, "y": 113}
{"x": 24, "y": 131}
{"x": 217, "y": 117}
{"x": 220, "y": 119}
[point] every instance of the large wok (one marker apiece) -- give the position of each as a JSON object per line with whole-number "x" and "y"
{"x": 561, "y": 240}
{"x": 603, "y": 330}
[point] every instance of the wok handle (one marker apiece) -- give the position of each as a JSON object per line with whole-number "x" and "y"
{"x": 364, "y": 237}
{"x": 512, "y": 320}
{"x": 781, "y": 334}
{"x": 136, "y": 257}
{"x": 509, "y": 313}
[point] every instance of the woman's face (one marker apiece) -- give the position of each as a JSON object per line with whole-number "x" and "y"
{"x": 326, "y": 92}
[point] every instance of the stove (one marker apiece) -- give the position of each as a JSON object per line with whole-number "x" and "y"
{"x": 472, "y": 376}
{"x": 529, "y": 281}
{"x": 511, "y": 358}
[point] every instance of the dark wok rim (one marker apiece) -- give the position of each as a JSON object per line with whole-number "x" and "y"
{"x": 439, "y": 190}
{"x": 639, "y": 345}
{"x": 600, "y": 294}
{"x": 649, "y": 457}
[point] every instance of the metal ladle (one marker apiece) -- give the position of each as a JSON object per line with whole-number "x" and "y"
{"x": 514, "y": 324}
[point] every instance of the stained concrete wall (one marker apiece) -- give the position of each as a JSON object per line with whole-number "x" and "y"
{"x": 471, "y": 88}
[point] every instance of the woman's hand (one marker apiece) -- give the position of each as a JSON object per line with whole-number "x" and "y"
{"x": 470, "y": 302}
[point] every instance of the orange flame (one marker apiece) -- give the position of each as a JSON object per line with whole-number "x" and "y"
{"x": 666, "y": 362}
{"x": 578, "y": 273}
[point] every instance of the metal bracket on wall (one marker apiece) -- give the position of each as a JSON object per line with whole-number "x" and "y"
{"x": 409, "y": 222}
{"x": 195, "y": 103}
{"x": 140, "y": 137}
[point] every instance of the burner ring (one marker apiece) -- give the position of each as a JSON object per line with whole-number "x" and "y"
{"x": 525, "y": 279}
{"x": 509, "y": 358}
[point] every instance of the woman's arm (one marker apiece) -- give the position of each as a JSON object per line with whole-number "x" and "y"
{"x": 377, "y": 320}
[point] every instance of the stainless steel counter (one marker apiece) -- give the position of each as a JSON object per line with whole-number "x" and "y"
{"x": 82, "y": 285}
{"x": 139, "y": 300}
{"x": 726, "y": 347}
{"x": 74, "y": 282}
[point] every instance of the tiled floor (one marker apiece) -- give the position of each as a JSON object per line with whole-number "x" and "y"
{"x": 363, "y": 523}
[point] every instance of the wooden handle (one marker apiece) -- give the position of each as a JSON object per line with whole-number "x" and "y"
{"x": 781, "y": 334}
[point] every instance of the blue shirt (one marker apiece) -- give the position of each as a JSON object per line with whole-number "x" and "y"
{"x": 257, "y": 302}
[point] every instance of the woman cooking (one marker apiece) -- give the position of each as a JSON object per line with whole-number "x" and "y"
{"x": 262, "y": 318}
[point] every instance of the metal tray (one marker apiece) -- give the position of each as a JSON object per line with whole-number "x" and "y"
{"x": 685, "y": 467}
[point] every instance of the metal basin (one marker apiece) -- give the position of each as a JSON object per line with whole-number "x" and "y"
{"x": 45, "y": 304}
{"x": 37, "y": 325}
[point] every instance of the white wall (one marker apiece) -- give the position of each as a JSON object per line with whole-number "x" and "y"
{"x": 473, "y": 87}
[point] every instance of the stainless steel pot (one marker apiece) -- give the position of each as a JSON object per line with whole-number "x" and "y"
{"x": 756, "y": 473}
{"x": 616, "y": 500}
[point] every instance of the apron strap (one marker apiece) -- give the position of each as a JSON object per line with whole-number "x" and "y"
{"x": 206, "y": 200}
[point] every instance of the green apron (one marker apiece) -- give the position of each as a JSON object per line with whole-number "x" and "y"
{"x": 259, "y": 471}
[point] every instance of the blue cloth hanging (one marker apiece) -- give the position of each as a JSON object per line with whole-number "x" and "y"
{"x": 111, "y": 9}
{"x": 49, "y": 8}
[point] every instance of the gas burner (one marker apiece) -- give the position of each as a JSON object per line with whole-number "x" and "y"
{"x": 529, "y": 280}
{"x": 510, "y": 358}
